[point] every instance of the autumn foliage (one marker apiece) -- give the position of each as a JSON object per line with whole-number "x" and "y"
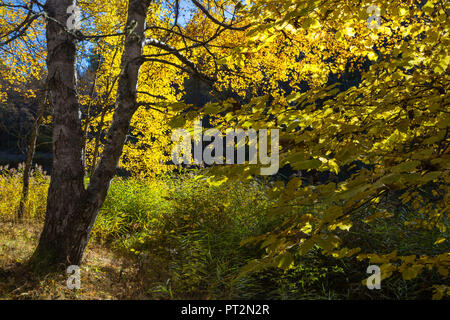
{"x": 363, "y": 114}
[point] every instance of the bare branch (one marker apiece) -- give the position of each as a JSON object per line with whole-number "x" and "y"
{"x": 186, "y": 61}
{"x": 211, "y": 17}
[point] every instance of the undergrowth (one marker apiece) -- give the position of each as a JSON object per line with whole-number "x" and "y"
{"x": 178, "y": 237}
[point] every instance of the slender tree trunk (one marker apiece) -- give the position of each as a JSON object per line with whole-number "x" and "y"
{"x": 30, "y": 154}
{"x": 72, "y": 209}
{"x": 97, "y": 142}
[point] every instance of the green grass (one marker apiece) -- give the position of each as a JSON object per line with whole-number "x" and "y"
{"x": 177, "y": 237}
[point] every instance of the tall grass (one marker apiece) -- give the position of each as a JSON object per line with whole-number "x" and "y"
{"x": 184, "y": 232}
{"x": 11, "y": 192}
{"x": 183, "y": 237}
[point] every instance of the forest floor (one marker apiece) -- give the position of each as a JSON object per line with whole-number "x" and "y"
{"x": 104, "y": 275}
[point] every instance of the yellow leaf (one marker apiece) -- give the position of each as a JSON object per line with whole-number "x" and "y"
{"x": 440, "y": 240}
{"x": 350, "y": 32}
{"x": 310, "y": 23}
{"x": 411, "y": 272}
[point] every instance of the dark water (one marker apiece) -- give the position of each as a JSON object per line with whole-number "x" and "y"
{"x": 13, "y": 160}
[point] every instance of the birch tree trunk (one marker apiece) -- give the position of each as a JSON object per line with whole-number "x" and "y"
{"x": 71, "y": 208}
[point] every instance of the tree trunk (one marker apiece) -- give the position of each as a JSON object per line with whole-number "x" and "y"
{"x": 97, "y": 142}
{"x": 30, "y": 155}
{"x": 72, "y": 209}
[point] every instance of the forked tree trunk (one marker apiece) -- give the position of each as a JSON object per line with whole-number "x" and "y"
{"x": 72, "y": 209}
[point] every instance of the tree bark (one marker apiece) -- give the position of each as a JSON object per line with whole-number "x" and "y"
{"x": 72, "y": 209}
